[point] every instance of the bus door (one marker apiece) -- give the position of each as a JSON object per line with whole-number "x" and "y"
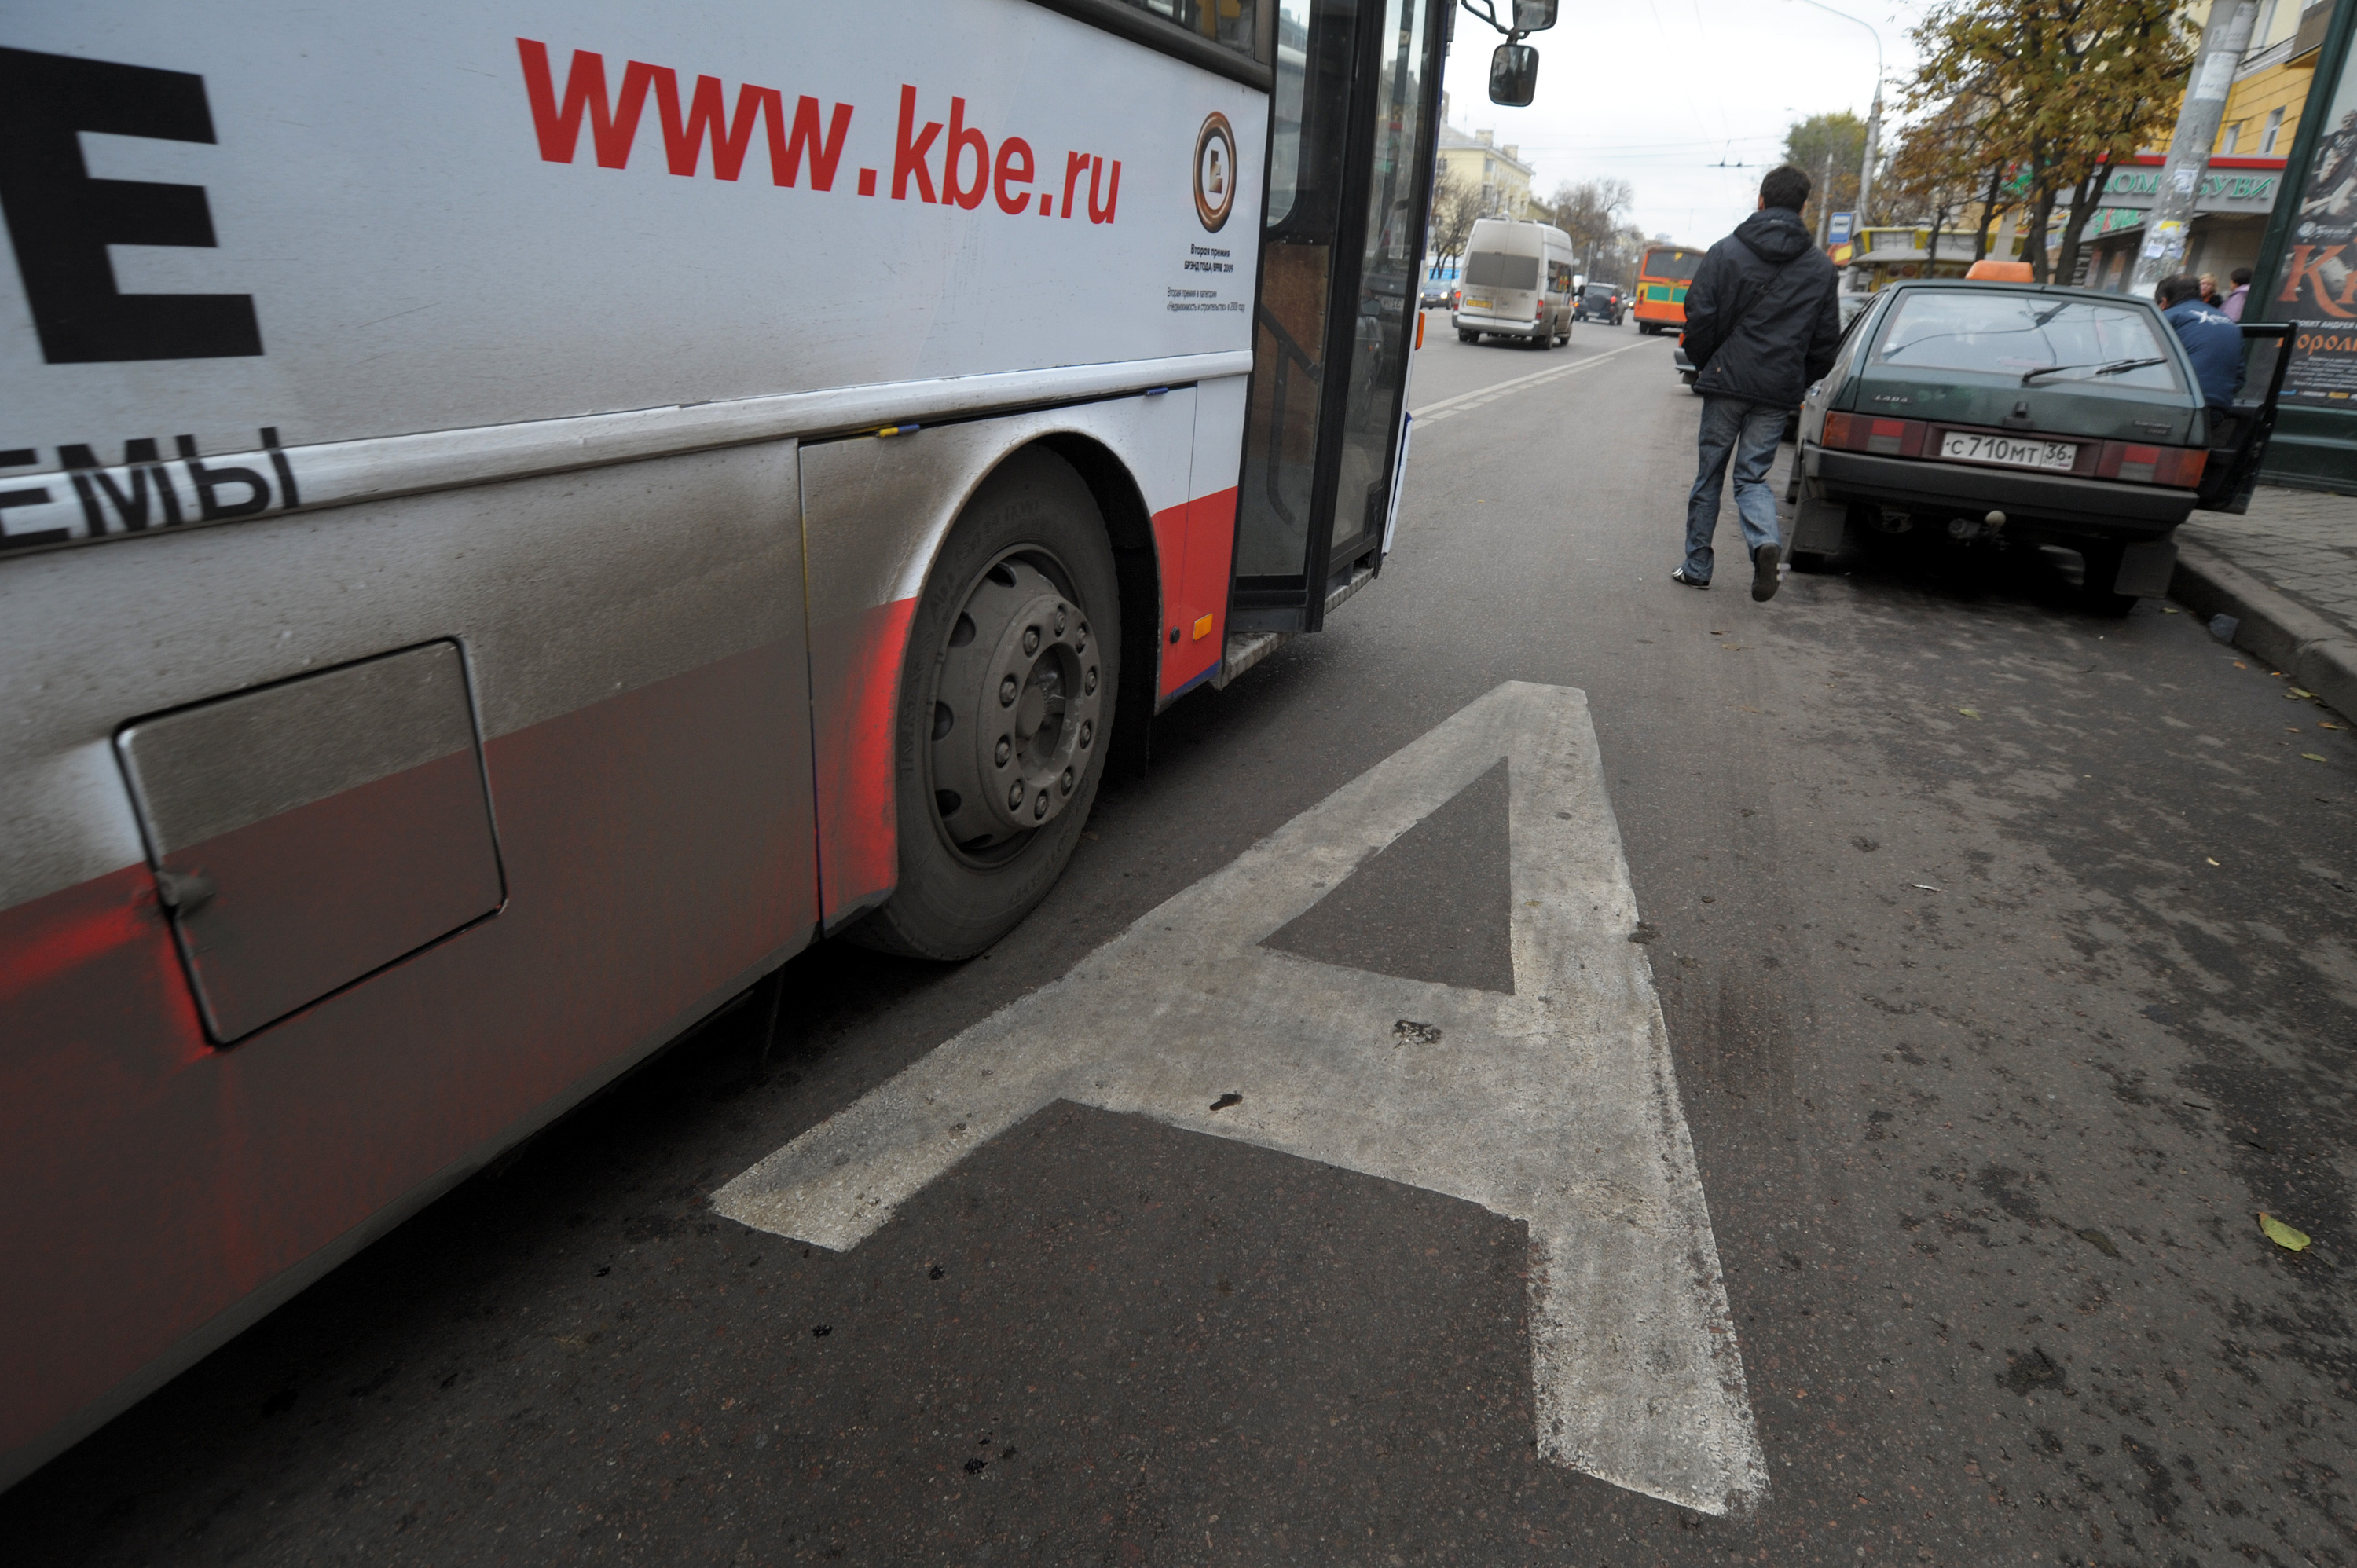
{"x": 1351, "y": 156}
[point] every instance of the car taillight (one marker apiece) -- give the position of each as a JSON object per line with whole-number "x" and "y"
{"x": 1539, "y": 313}
{"x": 2179, "y": 467}
{"x": 1883, "y": 437}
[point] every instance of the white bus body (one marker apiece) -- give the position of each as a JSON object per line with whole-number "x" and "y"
{"x": 488, "y": 494}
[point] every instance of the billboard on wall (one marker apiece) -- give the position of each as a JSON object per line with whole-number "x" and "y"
{"x": 2319, "y": 291}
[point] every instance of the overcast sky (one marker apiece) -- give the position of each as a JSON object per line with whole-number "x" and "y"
{"x": 1657, "y": 92}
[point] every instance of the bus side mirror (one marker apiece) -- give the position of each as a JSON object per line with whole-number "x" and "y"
{"x": 1534, "y": 15}
{"x": 1514, "y": 75}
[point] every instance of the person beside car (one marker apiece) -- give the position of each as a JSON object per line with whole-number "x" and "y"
{"x": 2212, "y": 340}
{"x": 2237, "y": 297}
{"x": 1763, "y": 321}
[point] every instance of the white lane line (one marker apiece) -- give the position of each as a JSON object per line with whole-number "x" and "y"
{"x": 1556, "y": 1106}
{"x": 1448, "y": 405}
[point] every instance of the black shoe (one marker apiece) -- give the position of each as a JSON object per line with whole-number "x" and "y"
{"x": 1678, "y": 574}
{"x": 1763, "y": 574}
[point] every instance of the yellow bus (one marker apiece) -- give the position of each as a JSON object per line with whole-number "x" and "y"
{"x": 1661, "y": 279}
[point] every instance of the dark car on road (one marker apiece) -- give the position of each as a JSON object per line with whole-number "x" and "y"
{"x": 1601, "y": 301}
{"x": 2022, "y": 415}
{"x": 1438, "y": 297}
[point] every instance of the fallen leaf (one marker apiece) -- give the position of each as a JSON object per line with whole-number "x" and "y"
{"x": 2167, "y": 610}
{"x": 2326, "y": 724}
{"x": 1927, "y": 887}
{"x": 1968, "y": 713}
{"x": 2281, "y": 1234}
{"x": 2101, "y": 1243}
{"x": 2312, "y": 757}
{"x": 2298, "y": 692}
{"x": 2211, "y": 862}
{"x": 2240, "y": 665}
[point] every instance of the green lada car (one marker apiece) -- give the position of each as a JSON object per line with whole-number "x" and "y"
{"x": 2024, "y": 413}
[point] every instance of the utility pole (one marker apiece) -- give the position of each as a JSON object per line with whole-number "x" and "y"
{"x": 1874, "y": 116}
{"x": 2223, "y": 39}
{"x": 1825, "y": 199}
{"x": 1873, "y": 135}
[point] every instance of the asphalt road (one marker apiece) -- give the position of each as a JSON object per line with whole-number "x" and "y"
{"x": 2006, "y": 967}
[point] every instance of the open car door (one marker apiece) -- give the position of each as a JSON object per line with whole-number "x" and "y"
{"x": 2238, "y": 439}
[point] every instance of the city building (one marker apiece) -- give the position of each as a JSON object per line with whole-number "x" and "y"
{"x": 2254, "y": 136}
{"x": 1501, "y": 178}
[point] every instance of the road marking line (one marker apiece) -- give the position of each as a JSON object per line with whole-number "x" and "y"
{"x": 1450, "y": 404}
{"x": 1556, "y": 1105}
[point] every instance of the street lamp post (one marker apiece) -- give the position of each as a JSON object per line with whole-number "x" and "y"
{"x": 1874, "y": 115}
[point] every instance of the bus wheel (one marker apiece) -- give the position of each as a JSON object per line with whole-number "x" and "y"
{"x": 1007, "y": 704}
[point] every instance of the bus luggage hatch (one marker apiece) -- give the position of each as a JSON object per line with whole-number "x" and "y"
{"x": 307, "y": 834}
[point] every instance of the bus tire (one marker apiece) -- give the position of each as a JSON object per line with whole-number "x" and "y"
{"x": 1022, "y": 595}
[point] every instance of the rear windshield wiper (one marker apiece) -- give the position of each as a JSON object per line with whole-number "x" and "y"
{"x": 2114, "y": 368}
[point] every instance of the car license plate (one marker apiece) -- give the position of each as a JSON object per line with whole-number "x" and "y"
{"x": 1963, "y": 446}
{"x": 1475, "y": 303}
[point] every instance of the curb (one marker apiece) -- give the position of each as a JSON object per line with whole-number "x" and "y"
{"x": 2315, "y": 652}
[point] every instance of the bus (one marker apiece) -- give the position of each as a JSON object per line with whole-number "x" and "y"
{"x": 1661, "y": 279}
{"x": 517, "y": 518}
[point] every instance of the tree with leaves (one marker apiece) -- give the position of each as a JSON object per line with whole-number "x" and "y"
{"x": 1456, "y": 204}
{"x": 1829, "y": 149}
{"x": 1937, "y": 173}
{"x": 1589, "y": 211}
{"x": 2058, "y": 91}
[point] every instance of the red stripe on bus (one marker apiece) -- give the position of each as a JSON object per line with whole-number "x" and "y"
{"x": 42, "y": 942}
{"x": 855, "y": 691}
{"x": 1195, "y": 542}
{"x": 658, "y": 854}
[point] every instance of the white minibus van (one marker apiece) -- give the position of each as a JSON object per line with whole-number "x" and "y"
{"x": 1517, "y": 283}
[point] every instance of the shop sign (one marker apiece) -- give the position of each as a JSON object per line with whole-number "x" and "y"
{"x": 2223, "y": 190}
{"x": 2318, "y": 293}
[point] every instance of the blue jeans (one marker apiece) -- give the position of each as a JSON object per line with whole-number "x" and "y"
{"x": 1749, "y": 432}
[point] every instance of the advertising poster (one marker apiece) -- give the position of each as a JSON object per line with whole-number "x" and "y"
{"x": 2319, "y": 292}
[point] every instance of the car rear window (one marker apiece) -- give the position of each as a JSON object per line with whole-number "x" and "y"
{"x": 1495, "y": 269}
{"x": 2009, "y": 334}
{"x": 1600, "y": 291}
{"x": 1674, "y": 266}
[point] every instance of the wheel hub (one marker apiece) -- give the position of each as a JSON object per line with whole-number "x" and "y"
{"x": 1017, "y": 707}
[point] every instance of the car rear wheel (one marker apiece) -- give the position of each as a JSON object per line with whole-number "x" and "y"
{"x": 2099, "y": 570}
{"x": 1006, "y": 701}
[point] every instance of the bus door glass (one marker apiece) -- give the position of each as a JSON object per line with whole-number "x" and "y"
{"x": 1342, "y": 232}
{"x": 1391, "y": 247}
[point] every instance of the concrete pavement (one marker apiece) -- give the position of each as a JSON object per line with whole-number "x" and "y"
{"x": 2287, "y": 573}
{"x": 2003, "y": 964}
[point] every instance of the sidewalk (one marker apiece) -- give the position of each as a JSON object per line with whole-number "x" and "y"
{"x": 2287, "y": 571}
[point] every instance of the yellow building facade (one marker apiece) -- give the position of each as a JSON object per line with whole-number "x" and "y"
{"x": 2255, "y": 133}
{"x": 1501, "y": 178}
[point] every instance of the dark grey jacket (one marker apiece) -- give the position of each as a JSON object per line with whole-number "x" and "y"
{"x": 1761, "y": 319}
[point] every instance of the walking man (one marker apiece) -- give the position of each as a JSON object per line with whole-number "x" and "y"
{"x": 1761, "y": 324}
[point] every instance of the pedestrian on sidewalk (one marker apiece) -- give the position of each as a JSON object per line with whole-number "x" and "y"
{"x": 1762, "y": 323}
{"x": 2237, "y": 297}
{"x": 2209, "y": 295}
{"x": 2213, "y": 343}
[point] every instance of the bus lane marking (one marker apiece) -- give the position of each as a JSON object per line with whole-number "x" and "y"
{"x": 1555, "y": 1104}
{"x": 1466, "y": 400}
